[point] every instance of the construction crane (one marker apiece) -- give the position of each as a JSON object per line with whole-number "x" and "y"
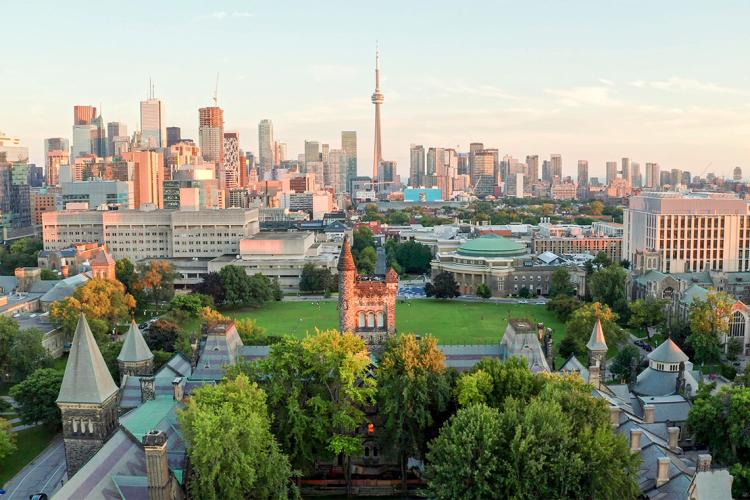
{"x": 216, "y": 91}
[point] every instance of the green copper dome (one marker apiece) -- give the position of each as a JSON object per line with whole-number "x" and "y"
{"x": 491, "y": 246}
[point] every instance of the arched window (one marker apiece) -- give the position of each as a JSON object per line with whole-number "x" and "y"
{"x": 667, "y": 293}
{"x": 737, "y": 325}
{"x": 361, "y": 320}
{"x": 370, "y": 320}
{"x": 380, "y": 318}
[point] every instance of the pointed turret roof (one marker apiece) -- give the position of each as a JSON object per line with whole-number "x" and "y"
{"x": 86, "y": 379}
{"x": 668, "y": 352}
{"x": 103, "y": 258}
{"x": 391, "y": 276}
{"x": 134, "y": 348}
{"x": 597, "y": 342}
{"x": 346, "y": 260}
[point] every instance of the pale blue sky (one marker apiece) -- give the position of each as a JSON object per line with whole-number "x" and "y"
{"x": 665, "y": 81}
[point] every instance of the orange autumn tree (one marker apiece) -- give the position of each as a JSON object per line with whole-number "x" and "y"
{"x": 156, "y": 279}
{"x": 105, "y": 304}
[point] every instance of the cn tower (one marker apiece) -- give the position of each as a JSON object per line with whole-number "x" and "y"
{"x": 377, "y": 100}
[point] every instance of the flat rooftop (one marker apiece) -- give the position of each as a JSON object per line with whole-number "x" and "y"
{"x": 279, "y": 235}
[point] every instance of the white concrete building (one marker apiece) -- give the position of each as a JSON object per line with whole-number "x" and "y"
{"x": 98, "y": 192}
{"x": 150, "y": 234}
{"x": 675, "y": 232}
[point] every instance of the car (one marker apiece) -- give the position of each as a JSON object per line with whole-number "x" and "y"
{"x": 540, "y": 302}
{"x": 648, "y": 348}
{"x": 523, "y": 301}
{"x": 143, "y": 326}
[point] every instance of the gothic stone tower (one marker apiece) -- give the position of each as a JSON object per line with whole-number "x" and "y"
{"x": 597, "y": 347}
{"x": 87, "y": 400}
{"x": 135, "y": 357}
{"x": 367, "y": 304}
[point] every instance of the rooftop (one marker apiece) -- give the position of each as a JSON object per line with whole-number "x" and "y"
{"x": 491, "y": 245}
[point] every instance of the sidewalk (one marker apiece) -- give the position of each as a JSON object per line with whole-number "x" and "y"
{"x": 41, "y": 475}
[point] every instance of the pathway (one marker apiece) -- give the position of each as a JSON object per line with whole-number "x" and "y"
{"x": 41, "y": 475}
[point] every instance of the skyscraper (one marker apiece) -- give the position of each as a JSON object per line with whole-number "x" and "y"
{"x": 231, "y": 165}
{"x": 56, "y": 144}
{"x": 556, "y": 166}
{"x": 114, "y": 129}
{"x": 83, "y": 115}
{"x": 635, "y": 175}
{"x": 349, "y": 146}
{"x": 611, "y": 172}
{"x": 653, "y": 176}
{"x": 265, "y": 146}
{"x": 312, "y": 152}
{"x": 211, "y": 133}
{"x": 153, "y": 132}
{"x": 532, "y": 168}
{"x": 377, "y": 100}
{"x": 416, "y": 165}
{"x": 174, "y": 135}
{"x": 583, "y": 173}
{"x": 737, "y": 174}
{"x": 625, "y": 170}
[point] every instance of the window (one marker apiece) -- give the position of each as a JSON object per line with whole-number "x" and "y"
{"x": 737, "y": 325}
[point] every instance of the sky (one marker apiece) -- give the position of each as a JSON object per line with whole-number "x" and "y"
{"x": 665, "y": 81}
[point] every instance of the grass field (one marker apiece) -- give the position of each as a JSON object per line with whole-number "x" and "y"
{"x": 452, "y": 322}
{"x": 30, "y": 443}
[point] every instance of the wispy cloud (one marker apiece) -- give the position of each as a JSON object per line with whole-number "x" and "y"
{"x": 332, "y": 72}
{"x": 462, "y": 87}
{"x": 677, "y": 83}
{"x": 594, "y": 95}
{"x": 220, "y": 15}
{"x": 606, "y": 82}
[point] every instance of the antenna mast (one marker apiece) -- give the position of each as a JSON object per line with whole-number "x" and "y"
{"x": 216, "y": 91}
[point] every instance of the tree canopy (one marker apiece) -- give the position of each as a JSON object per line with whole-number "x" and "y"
{"x": 607, "y": 285}
{"x": 7, "y": 439}
{"x": 36, "y": 397}
{"x": 443, "y": 286}
{"x": 709, "y": 319}
{"x": 582, "y": 322}
{"x": 232, "y": 450}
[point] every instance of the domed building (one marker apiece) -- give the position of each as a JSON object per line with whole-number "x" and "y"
{"x": 503, "y": 264}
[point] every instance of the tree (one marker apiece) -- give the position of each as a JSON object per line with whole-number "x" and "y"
{"x": 493, "y": 381}
{"x": 571, "y": 346}
{"x": 363, "y": 238}
{"x": 583, "y": 319}
{"x": 340, "y": 362}
{"x": 484, "y": 291}
{"x": 241, "y": 290}
{"x": 315, "y": 279}
{"x": 414, "y": 257}
{"x": 626, "y": 362}
{"x": 7, "y": 439}
{"x": 734, "y": 348}
{"x": 524, "y": 292}
{"x": 602, "y": 260}
{"x": 211, "y": 285}
{"x": 162, "y": 335}
{"x": 36, "y": 397}
{"x": 105, "y": 303}
{"x": 276, "y": 292}
{"x": 720, "y": 420}
{"x": 443, "y": 286}
{"x": 250, "y": 332}
{"x": 9, "y": 331}
{"x": 27, "y": 354}
{"x": 560, "y": 283}
{"x": 232, "y": 450}
{"x": 156, "y": 278}
{"x": 709, "y": 319}
{"x": 397, "y": 217}
{"x": 22, "y": 253}
{"x": 48, "y": 274}
{"x": 563, "y": 306}
{"x": 126, "y": 274}
{"x": 607, "y": 286}
{"x": 526, "y": 449}
{"x": 648, "y": 313}
{"x": 367, "y": 260}
{"x": 412, "y": 388}
{"x": 192, "y": 303}
{"x": 597, "y": 207}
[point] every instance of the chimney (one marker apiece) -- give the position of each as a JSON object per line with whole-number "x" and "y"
{"x": 178, "y": 388}
{"x": 594, "y": 378}
{"x": 148, "y": 389}
{"x": 157, "y": 464}
{"x": 649, "y": 413}
{"x": 674, "y": 438}
{"x": 614, "y": 416}
{"x": 662, "y": 471}
{"x": 635, "y": 439}
{"x": 704, "y": 463}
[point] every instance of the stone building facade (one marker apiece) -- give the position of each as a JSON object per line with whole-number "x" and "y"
{"x": 367, "y": 303}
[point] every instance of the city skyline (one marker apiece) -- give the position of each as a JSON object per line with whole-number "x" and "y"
{"x": 682, "y": 106}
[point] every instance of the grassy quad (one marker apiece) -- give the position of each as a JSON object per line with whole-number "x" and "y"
{"x": 31, "y": 442}
{"x": 450, "y": 322}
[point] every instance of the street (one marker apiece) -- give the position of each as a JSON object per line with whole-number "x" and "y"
{"x": 42, "y": 475}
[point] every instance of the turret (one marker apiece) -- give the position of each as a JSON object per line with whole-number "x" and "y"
{"x": 87, "y": 399}
{"x": 347, "y": 288}
{"x": 135, "y": 357}
{"x": 597, "y": 347}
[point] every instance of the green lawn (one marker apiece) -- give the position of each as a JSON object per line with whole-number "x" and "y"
{"x": 452, "y": 322}
{"x": 30, "y": 443}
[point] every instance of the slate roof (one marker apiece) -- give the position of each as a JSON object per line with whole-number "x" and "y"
{"x": 62, "y": 289}
{"x": 464, "y": 357}
{"x": 652, "y": 382}
{"x": 177, "y": 366}
{"x": 134, "y": 348}
{"x": 523, "y": 344}
{"x": 218, "y": 351}
{"x": 86, "y": 379}
{"x": 651, "y": 276}
{"x": 596, "y": 341}
{"x": 692, "y": 293}
{"x": 668, "y": 352}
{"x": 8, "y": 283}
{"x": 673, "y": 408}
{"x": 572, "y": 365}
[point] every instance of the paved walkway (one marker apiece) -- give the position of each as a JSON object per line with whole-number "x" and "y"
{"x": 42, "y": 475}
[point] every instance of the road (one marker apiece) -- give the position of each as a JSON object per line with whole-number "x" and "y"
{"x": 42, "y": 475}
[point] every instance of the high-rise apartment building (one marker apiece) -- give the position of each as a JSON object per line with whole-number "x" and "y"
{"x": 676, "y": 177}
{"x": 114, "y": 129}
{"x": 211, "y": 133}
{"x": 674, "y": 232}
{"x": 349, "y": 146}
{"x": 13, "y": 149}
{"x": 625, "y": 170}
{"x": 416, "y": 165}
{"x": 83, "y": 140}
{"x": 54, "y": 159}
{"x": 483, "y": 166}
{"x": 583, "y": 173}
{"x": 611, "y": 172}
{"x": 148, "y": 177}
{"x": 56, "y": 144}
{"x": 556, "y": 167}
{"x": 635, "y": 175}
{"x": 653, "y": 176}
{"x": 335, "y": 170}
{"x": 84, "y": 115}
{"x": 231, "y": 165}
{"x": 737, "y": 174}
{"x": 153, "y": 128}
{"x": 387, "y": 171}
{"x": 265, "y": 147}
{"x": 312, "y": 152}
{"x": 15, "y": 199}
{"x": 532, "y": 168}
{"x": 279, "y": 153}
{"x": 174, "y": 135}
